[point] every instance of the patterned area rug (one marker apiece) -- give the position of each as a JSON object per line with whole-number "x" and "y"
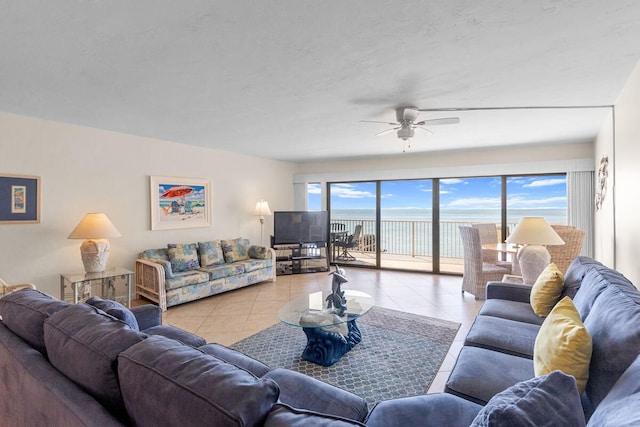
{"x": 399, "y": 355}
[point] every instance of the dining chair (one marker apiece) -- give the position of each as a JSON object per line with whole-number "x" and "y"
{"x": 489, "y": 234}
{"x": 352, "y": 241}
{"x": 476, "y": 272}
{"x": 563, "y": 255}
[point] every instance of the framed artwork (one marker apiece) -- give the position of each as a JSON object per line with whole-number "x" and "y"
{"x": 180, "y": 202}
{"x": 19, "y": 199}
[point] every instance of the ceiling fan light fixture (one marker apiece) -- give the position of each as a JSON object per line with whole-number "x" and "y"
{"x": 406, "y": 132}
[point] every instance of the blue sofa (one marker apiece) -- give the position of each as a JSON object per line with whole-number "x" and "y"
{"x": 494, "y": 373}
{"x": 100, "y": 364}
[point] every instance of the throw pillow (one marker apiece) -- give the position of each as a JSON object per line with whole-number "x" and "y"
{"x": 210, "y": 253}
{"x": 235, "y": 250}
{"x": 258, "y": 252}
{"x": 183, "y": 257}
{"x": 564, "y": 344}
{"x": 550, "y": 400}
{"x": 115, "y": 309}
{"x": 547, "y": 290}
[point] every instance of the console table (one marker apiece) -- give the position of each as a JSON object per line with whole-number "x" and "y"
{"x": 329, "y": 336}
{"x": 114, "y": 284}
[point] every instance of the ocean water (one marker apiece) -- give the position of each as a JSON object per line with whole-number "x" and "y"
{"x": 410, "y": 231}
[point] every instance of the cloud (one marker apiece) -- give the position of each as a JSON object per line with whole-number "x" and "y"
{"x": 545, "y": 182}
{"x": 452, "y": 181}
{"x": 314, "y": 188}
{"x": 518, "y": 201}
{"x": 348, "y": 191}
{"x": 475, "y": 203}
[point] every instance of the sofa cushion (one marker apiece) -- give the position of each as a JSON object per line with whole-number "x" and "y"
{"x": 255, "y": 264}
{"x": 505, "y": 335}
{"x": 177, "y": 334}
{"x": 503, "y": 370}
{"x": 202, "y": 388}
{"x": 427, "y": 410}
{"x": 186, "y": 278}
{"x": 83, "y": 342}
{"x": 237, "y": 358}
{"x": 235, "y": 250}
{"x": 597, "y": 278}
{"x": 115, "y": 309}
{"x": 183, "y": 257}
{"x": 285, "y": 416}
{"x": 24, "y": 313}
{"x": 210, "y": 253}
{"x": 513, "y": 310}
{"x": 563, "y": 344}
{"x": 304, "y": 392}
{"x": 546, "y": 290}
{"x": 575, "y": 273}
{"x": 552, "y": 398}
{"x": 613, "y": 324}
{"x": 225, "y": 270}
{"x": 620, "y": 406}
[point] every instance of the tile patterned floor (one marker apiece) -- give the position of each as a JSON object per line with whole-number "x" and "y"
{"x": 232, "y": 316}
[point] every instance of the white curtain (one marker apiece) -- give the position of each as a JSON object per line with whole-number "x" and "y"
{"x": 580, "y": 205}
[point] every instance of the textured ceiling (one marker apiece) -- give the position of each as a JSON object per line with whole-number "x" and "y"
{"x": 291, "y": 79}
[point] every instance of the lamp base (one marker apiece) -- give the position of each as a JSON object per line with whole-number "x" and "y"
{"x": 95, "y": 253}
{"x": 532, "y": 260}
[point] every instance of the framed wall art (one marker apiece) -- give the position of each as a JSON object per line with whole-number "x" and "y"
{"x": 180, "y": 202}
{"x": 19, "y": 199}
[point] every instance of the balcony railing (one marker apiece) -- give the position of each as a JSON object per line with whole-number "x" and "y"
{"x": 408, "y": 239}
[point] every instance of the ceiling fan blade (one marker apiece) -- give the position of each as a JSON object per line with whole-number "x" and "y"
{"x": 410, "y": 114}
{"x": 443, "y": 121}
{"x": 424, "y": 129}
{"x": 375, "y": 121}
{"x": 387, "y": 131}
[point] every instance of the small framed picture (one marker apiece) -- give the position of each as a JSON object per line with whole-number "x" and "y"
{"x": 180, "y": 202}
{"x": 19, "y": 199}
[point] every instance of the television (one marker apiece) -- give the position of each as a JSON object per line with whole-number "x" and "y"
{"x": 293, "y": 227}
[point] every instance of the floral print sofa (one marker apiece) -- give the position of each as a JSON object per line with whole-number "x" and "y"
{"x": 181, "y": 273}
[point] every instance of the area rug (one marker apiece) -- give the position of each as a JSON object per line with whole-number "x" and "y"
{"x": 399, "y": 355}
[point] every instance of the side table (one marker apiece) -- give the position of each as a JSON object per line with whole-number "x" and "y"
{"x": 114, "y": 284}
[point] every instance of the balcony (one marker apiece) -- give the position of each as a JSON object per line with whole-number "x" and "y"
{"x": 406, "y": 244}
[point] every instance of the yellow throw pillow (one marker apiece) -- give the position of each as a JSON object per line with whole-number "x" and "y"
{"x": 547, "y": 290}
{"x": 563, "y": 344}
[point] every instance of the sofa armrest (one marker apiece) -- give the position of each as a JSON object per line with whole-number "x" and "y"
{"x": 150, "y": 282}
{"x": 147, "y": 315}
{"x": 510, "y": 291}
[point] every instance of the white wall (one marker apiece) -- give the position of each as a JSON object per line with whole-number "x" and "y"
{"x": 604, "y": 224}
{"x": 88, "y": 170}
{"x": 625, "y": 192}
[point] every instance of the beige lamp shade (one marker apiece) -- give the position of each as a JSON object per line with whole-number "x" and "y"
{"x": 262, "y": 208}
{"x": 95, "y": 228}
{"x": 535, "y": 233}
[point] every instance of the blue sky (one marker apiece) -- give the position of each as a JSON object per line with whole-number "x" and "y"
{"x": 526, "y": 192}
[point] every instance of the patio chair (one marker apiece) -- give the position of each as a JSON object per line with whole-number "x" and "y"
{"x": 489, "y": 234}
{"x": 476, "y": 272}
{"x": 352, "y": 241}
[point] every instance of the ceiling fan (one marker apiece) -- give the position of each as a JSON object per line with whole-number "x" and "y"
{"x": 406, "y": 123}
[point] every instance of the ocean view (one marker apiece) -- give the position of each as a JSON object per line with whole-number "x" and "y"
{"x": 405, "y": 231}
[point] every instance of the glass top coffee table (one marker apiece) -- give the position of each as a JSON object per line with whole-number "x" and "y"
{"x": 329, "y": 335}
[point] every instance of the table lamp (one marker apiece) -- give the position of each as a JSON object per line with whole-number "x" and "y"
{"x": 533, "y": 232}
{"x": 95, "y": 228}
{"x": 262, "y": 209}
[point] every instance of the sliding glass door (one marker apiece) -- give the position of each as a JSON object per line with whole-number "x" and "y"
{"x": 406, "y": 232}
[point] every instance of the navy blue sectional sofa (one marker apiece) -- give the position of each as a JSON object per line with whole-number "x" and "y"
{"x": 99, "y": 364}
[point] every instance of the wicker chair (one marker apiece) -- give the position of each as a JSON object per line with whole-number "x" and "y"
{"x": 476, "y": 272}
{"x": 489, "y": 234}
{"x": 6, "y": 288}
{"x": 562, "y": 255}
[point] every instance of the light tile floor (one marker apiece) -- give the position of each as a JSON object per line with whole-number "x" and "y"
{"x": 232, "y": 316}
